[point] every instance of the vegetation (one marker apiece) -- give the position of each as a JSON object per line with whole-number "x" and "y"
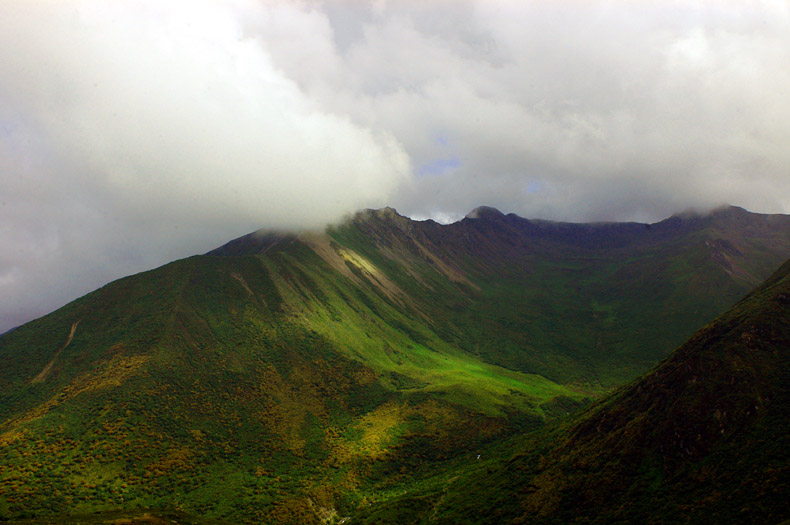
{"x": 379, "y": 372}
{"x": 703, "y": 438}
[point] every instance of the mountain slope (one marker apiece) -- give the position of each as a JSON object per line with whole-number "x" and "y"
{"x": 245, "y": 388}
{"x": 287, "y": 377}
{"x": 703, "y": 438}
{"x": 586, "y": 304}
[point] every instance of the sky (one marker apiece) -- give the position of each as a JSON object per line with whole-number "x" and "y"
{"x": 133, "y": 133}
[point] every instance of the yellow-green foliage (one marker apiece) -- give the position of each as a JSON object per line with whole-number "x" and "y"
{"x": 111, "y": 373}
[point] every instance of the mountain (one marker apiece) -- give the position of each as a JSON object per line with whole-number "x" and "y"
{"x": 703, "y": 438}
{"x": 299, "y": 377}
{"x": 587, "y": 304}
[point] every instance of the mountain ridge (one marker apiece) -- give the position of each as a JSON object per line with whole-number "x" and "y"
{"x": 488, "y": 213}
{"x": 331, "y": 367}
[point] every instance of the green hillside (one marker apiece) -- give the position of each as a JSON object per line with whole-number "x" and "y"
{"x": 703, "y": 438}
{"x": 305, "y": 378}
{"x": 589, "y": 305}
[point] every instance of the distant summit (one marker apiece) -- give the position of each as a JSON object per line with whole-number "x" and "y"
{"x": 718, "y": 211}
{"x": 382, "y": 213}
{"x": 484, "y": 212}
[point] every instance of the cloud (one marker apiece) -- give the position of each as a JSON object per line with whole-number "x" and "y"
{"x": 614, "y": 110}
{"x": 168, "y": 109}
{"x": 132, "y": 133}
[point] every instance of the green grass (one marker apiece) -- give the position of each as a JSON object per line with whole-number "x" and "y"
{"x": 283, "y": 387}
{"x": 703, "y": 438}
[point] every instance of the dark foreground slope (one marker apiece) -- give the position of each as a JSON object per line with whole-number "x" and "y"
{"x": 298, "y": 378}
{"x": 703, "y": 438}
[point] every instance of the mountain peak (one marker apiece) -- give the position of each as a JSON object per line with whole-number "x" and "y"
{"x": 376, "y": 217}
{"x": 381, "y": 213}
{"x": 718, "y": 211}
{"x": 260, "y": 241}
{"x": 387, "y": 212}
{"x": 484, "y": 212}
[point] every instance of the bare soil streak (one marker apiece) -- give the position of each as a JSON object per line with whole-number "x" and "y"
{"x": 47, "y": 369}
{"x": 242, "y": 282}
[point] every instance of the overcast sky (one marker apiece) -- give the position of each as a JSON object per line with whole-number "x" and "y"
{"x": 133, "y": 133}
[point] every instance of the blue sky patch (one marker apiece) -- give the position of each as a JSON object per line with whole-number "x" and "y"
{"x": 438, "y": 167}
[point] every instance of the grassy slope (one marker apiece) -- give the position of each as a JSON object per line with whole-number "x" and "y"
{"x": 281, "y": 387}
{"x": 591, "y": 306}
{"x": 256, "y": 387}
{"x": 702, "y": 438}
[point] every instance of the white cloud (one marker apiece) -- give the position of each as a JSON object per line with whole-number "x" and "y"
{"x": 612, "y": 110}
{"x": 173, "y": 110}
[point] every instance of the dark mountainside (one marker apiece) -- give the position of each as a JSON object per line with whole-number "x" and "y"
{"x": 307, "y": 378}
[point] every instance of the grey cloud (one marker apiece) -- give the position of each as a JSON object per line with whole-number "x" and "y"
{"x": 661, "y": 106}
